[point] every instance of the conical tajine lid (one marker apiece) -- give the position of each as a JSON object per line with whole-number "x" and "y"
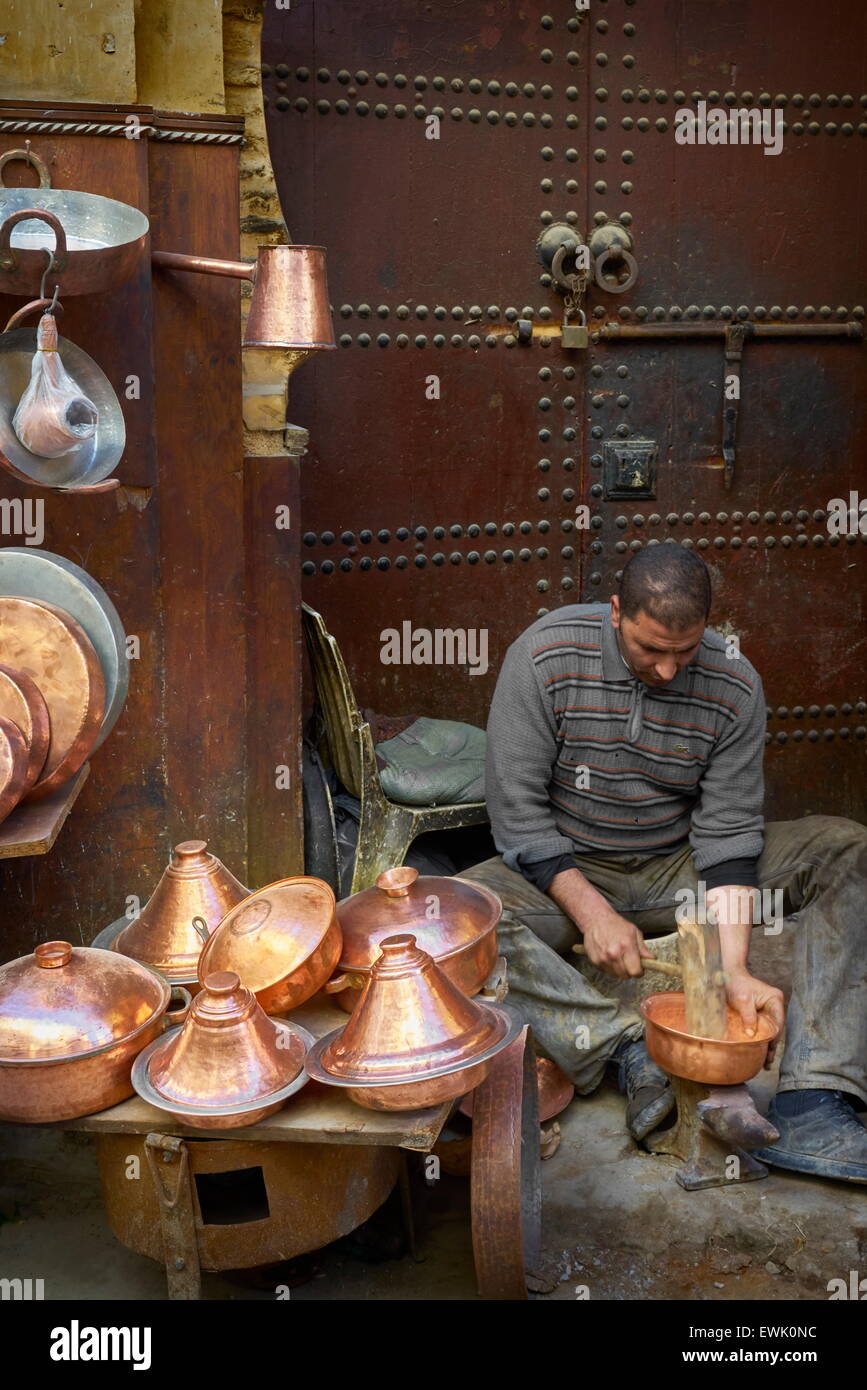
{"x": 195, "y": 884}
{"x": 410, "y": 1022}
{"x": 228, "y": 1052}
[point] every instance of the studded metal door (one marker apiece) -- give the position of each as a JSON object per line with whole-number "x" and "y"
{"x": 459, "y": 511}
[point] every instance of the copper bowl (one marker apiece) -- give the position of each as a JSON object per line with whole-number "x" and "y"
{"x": 453, "y": 920}
{"x": 230, "y": 1065}
{"x": 414, "y": 1039}
{"x": 283, "y": 942}
{"x": 164, "y": 935}
{"x": 72, "y": 1020}
{"x": 724, "y": 1061}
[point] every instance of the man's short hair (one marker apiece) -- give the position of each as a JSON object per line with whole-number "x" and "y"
{"x": 667, "y": 582}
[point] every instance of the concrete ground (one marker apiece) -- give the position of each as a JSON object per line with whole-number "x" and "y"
{"x": 616, "y": 1224}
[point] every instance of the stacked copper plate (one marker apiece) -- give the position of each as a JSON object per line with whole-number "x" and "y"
{"x": 192, "y": 897}
{"x": 61, "y": 680}
{"x": 414, "y": 1038}
{"x": 229, "y": 1065}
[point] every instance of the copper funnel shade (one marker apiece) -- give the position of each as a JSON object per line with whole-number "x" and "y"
{"x": 290, "y": 306}
{"x": 195, "y": 884}
{"x": 411, "y": 1027}
{"x": 229, "y": 1064}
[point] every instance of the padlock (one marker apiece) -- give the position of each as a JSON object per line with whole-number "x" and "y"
{"x": 574, "y": 335}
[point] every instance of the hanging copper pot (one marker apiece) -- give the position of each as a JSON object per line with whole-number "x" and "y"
{"x": 72, "y": 1019}
{"x": 414, "y": 1039}
{"x": 283, "y": 942}
{"x": 229, "y": 1065}
{"x": 453, "y": 920}
{"x": 195, "y": 885}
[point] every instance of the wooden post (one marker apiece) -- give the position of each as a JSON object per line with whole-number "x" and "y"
{"x": 703, "y": 980}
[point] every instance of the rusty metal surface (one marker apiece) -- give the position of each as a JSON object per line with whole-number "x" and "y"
{"x": 426, "y": 236}
{"x": 505, "y": 1177}
{"x": 313, "y": 1193}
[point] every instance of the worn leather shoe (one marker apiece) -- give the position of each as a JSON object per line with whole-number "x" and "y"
{"x": 827, "y": 1141}
{"x": 649, "y": 1097}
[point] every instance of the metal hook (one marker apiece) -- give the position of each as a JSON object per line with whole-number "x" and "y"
{"x": 27, "y": 151}
{"x": 53, "y": 305}
{"x": 47, "y": 271}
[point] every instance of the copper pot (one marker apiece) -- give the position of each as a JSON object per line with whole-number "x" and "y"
{"x": 283, "y": 942}
{"x": 230, "y": 1065}
{"x": 195, "y": 885}
{"x": 72, "y": 1020}
{"x": 414, "y": 1040}
{"x": 724, "y": 1061}
{"x": 453, "y": 920}
{"x": 556, "y": 1091}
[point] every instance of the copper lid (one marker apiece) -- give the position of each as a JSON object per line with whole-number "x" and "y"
{"x": 67, "y": 1001}
{"x": 443, "y": 914}
{"x": 195, "y": 884}
{"x": 411, "y": 1022}
{"x": 271, "y": 933}
{"x": 228, "y": 1053}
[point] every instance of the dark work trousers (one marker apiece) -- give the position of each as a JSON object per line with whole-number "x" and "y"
{"x": 819, "y": 863}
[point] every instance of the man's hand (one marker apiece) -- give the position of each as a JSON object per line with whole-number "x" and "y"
{"x": 749, "y": 997}
{"x": 616, "y": 946}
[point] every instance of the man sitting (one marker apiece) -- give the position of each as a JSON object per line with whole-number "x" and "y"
{"x": 624, "y": 766}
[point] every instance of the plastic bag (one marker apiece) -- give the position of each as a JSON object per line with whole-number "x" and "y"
{"x": 53, "y": 415}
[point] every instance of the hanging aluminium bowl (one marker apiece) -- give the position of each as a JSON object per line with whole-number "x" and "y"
{"x": 38, "y": 574}
{"x": 96, "y": 242}
{"x": 87, "y": 462}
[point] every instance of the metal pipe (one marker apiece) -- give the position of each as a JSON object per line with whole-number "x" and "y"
{"x": 718, "y": 330}
{"x": 205, "y": 265}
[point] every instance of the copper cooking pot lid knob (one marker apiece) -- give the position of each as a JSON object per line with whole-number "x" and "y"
{"x": 51, "y": 954}
{"x": 222, "y": 982}
{"x": 396, "y": 883}
{"x": 190, "y": 849}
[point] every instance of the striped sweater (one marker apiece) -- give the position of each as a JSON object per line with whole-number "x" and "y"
{"x": 582, "y": 758}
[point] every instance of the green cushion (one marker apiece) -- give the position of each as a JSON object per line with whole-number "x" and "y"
{"x": 435, "y": 762}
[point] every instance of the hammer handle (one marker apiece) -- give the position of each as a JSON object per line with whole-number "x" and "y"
{"x": 663, "y": 967}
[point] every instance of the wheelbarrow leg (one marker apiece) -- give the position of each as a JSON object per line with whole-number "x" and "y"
{"x": 169, "y": 1161}
{"x": 505, "y": 1182}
